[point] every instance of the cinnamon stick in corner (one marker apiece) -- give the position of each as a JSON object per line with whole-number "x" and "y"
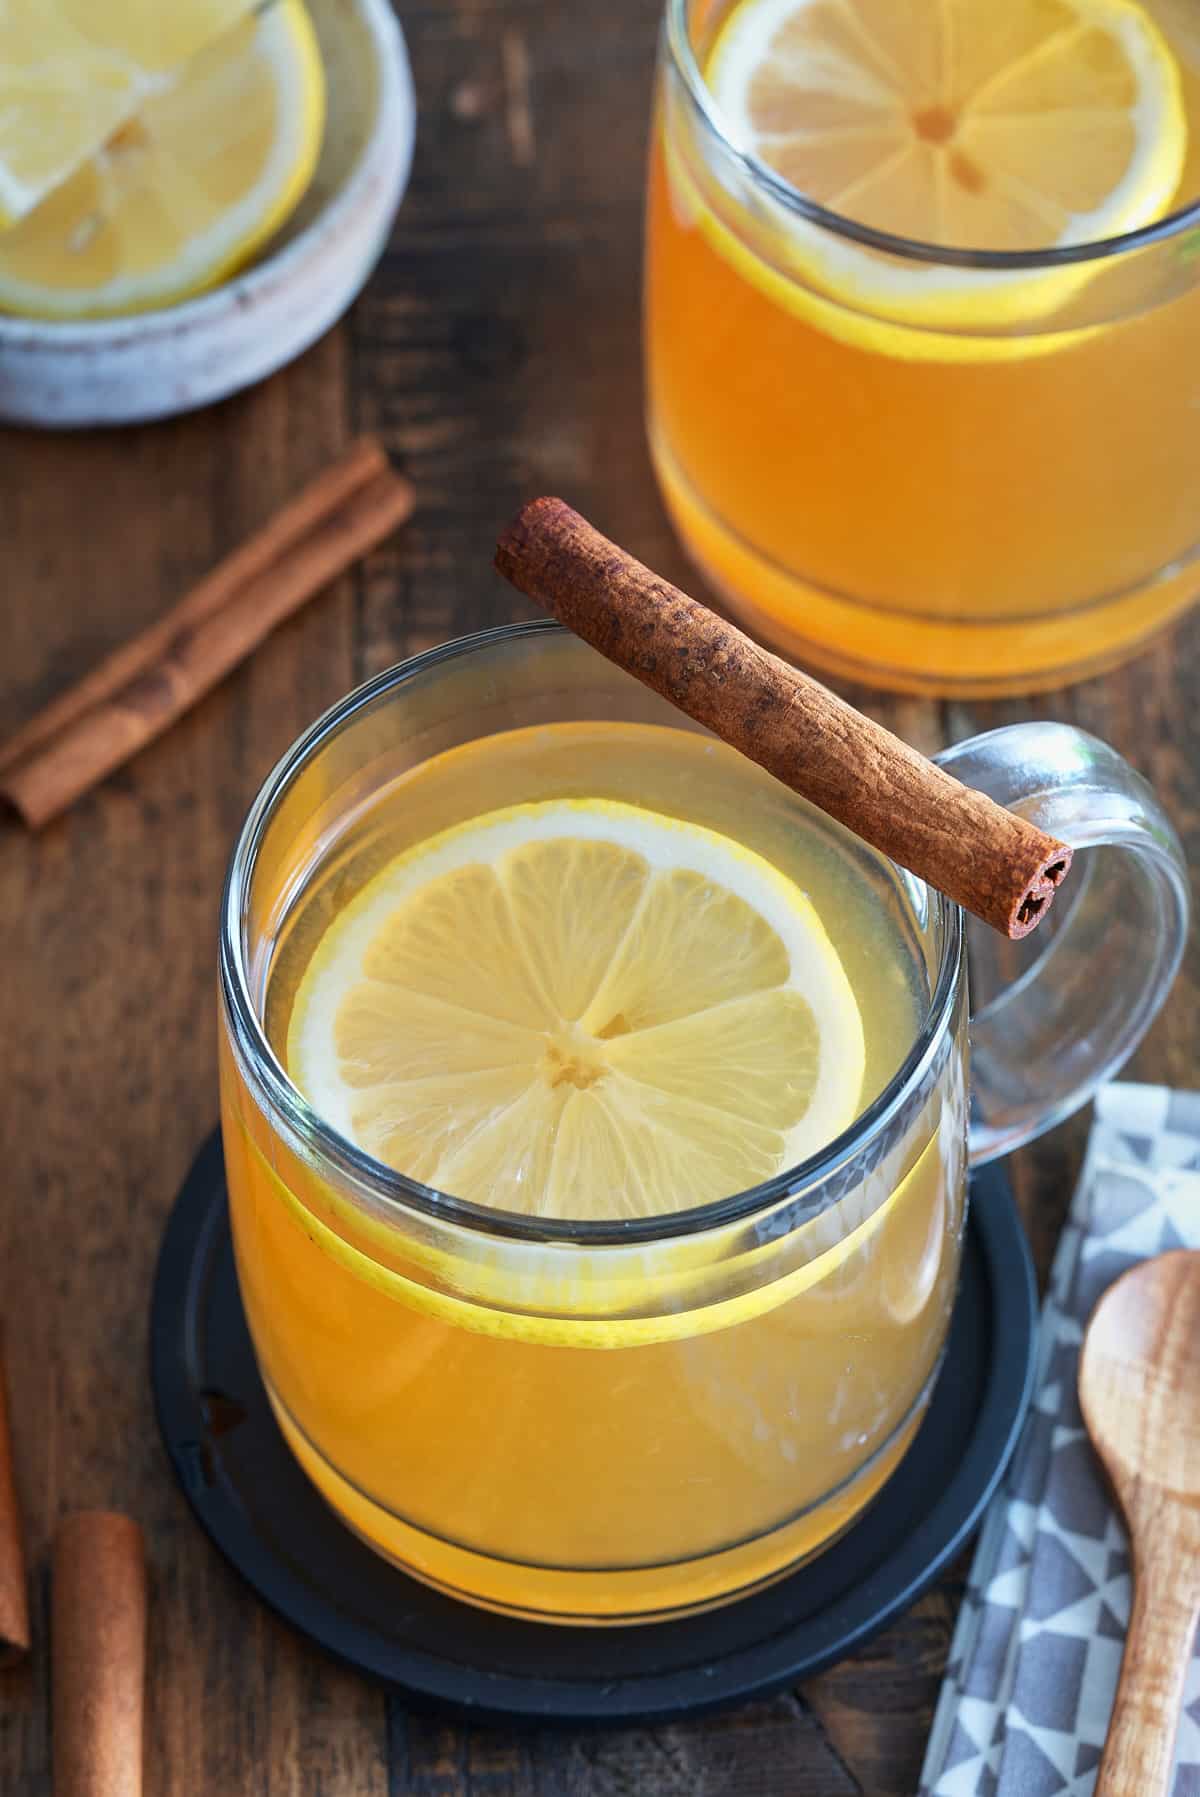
{"x": 98, "y": 1623}
{"x": 14, "y": 1596}
{"x": 144, "y": 686}
{"x": 993, "y": 863}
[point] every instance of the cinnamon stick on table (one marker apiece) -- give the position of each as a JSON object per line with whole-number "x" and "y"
{"x": 14, "y": 1598}
{"x": 988, "y": 860}
{"x": 98, "y": 1642}
{"x": 143, "y": 687}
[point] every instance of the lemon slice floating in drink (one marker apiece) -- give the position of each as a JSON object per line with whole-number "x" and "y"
{"x": 1021, "y": 126}
{"x": 580, "y": 1009}
{"x": 187, "y": 187}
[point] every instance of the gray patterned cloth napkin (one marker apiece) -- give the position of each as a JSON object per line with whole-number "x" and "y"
{"x": 1033, "y": 1666}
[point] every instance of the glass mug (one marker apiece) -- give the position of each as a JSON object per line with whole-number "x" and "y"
{"x": 957, "y": 507}
{"x": 608, "y": 1420}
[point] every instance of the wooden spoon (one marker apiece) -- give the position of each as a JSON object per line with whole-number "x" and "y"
{"x": 1139, "y": 1389}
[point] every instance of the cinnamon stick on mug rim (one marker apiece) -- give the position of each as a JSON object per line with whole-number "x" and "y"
{"x": 996, "y": 865}
{"x": 14, "y": 1593}
{"x": 143, "y": 687}
{"x": 98, "y": 1651}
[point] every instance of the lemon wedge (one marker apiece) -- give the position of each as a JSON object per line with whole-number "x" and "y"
{"x": 72, "y": 72}
{"x": 580, "y": 1009}
{"x": 187, "y": 188}
{"x": 1024, "y": 126}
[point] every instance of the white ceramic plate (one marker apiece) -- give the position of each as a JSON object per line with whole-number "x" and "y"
{"x": 119, "y": 371}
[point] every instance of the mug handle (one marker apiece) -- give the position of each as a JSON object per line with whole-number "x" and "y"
{"x": 1054, "y": 1016}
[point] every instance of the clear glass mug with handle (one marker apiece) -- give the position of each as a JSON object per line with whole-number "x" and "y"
{"x": 919, "y": 462}
{"x": 600, "y": 1420}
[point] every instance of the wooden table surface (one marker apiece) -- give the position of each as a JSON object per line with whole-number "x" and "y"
{"x": 496, "y": 350}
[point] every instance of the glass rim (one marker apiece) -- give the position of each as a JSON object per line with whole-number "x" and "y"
{"x": 678, "y": 39}
{"x": 397, "y": 1192}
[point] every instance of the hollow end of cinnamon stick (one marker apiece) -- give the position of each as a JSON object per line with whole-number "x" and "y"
{"x": 995, "y": 864}
{"x": 1032, "y": 904}
{"x": 14, "y": 1585}
{"x": 98, "y": 1643}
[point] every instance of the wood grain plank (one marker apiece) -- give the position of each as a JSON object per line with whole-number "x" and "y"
{"x": 876, "y": 1707}
{"x": 108, "y": 1019}
{"x": 498, "y": 353}
{"x": 763, "y": 1750}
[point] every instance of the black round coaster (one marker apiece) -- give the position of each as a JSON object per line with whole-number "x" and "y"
{"x": 251, "y": 1497}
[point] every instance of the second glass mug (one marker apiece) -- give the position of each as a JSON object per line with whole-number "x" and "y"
{"x": 601, "y": 1421}
{"x": 880, "y": 480}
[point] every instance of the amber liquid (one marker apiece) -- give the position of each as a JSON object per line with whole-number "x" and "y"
{"x": 904, "y": 507}
{"x": 722, "y": 1421}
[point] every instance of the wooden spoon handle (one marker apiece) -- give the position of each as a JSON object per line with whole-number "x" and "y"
{"x": 1140, "y": 1752}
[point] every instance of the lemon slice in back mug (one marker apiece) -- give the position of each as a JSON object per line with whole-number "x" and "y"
{"x": 1025, "y": 126}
